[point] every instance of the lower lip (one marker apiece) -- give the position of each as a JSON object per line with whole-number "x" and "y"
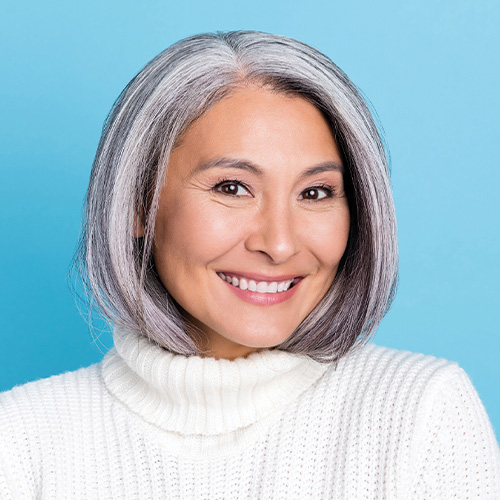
{"x": 263, "y": 299}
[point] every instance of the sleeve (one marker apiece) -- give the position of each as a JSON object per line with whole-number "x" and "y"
{"x": 454, "y": 453}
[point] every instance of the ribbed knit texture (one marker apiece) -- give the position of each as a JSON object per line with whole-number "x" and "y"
{"x": 147, "y": 424}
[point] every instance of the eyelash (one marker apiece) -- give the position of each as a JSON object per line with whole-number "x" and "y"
{"x": 329, "y": 190}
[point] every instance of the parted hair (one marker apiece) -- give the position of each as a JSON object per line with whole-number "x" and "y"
{"x": 144, "y": 126}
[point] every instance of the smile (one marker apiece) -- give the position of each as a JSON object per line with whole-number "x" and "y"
{"x": 258, "y": 286}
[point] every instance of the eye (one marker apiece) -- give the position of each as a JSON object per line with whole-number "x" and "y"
{"x": 316, "y": 193}
{"x": 231, "y": 188}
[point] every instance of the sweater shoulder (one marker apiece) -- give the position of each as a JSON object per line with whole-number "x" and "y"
{"x": 430, "y": 405}
{"x": 420, "y": 412}
{"x": 383, "y": 367}
{"x": 49, "y": 403}
{"x": 374, "y": 381}
{"x": 55, "y": 388}
{"x": 42, "y": 421}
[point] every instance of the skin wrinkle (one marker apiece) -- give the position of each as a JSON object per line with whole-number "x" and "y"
{"x": 255, "y": 169}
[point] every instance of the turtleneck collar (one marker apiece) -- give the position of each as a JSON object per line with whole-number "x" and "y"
{"x": 191, "y": 395}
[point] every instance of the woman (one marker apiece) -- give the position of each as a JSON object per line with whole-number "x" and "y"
{"x": 241, "y": 237}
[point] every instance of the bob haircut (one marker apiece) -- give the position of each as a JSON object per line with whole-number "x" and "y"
{"x": 144, "y": 126}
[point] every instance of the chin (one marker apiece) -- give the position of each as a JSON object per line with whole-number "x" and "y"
{"x": 238, "y": 338}
{"x": 263, "y": 339}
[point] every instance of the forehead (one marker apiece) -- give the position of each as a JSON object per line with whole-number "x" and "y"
{"x": 263, "y": 126}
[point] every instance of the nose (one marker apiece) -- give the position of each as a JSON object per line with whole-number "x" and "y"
{"x": 273, "y": 232}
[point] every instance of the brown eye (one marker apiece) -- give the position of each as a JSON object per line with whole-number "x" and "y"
{"x": 316, "y": 193}
{"x": 231, "y": 188}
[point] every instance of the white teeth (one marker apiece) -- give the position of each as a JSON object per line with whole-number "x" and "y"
{"x": 258, "y": 287}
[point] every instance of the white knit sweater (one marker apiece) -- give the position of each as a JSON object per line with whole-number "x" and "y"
{"x": 147, "y": 424}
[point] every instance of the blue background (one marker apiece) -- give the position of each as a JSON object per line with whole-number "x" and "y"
{"x": 430, "y": 69}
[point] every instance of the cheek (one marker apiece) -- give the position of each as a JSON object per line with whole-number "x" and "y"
{"x": 327, "y": 238}
{"x": 193, "y": 234}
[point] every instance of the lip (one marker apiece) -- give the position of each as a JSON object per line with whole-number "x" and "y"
{"x": 263, "y": 299}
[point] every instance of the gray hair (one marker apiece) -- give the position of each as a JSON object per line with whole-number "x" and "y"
{"x": 145, "y": 124}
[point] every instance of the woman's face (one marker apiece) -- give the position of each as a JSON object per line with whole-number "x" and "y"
{"x": 252, "y": 220}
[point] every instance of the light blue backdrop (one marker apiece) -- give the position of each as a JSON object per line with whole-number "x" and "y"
{"x": 430, "y": 69}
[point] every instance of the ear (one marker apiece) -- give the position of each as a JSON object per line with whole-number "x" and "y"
{"x": 138, "y": 227}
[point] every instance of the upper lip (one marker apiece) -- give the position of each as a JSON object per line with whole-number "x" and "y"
{"x": 261, "y": 277}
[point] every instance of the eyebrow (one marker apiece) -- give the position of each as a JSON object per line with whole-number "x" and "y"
{"x": 224, "y": 162}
